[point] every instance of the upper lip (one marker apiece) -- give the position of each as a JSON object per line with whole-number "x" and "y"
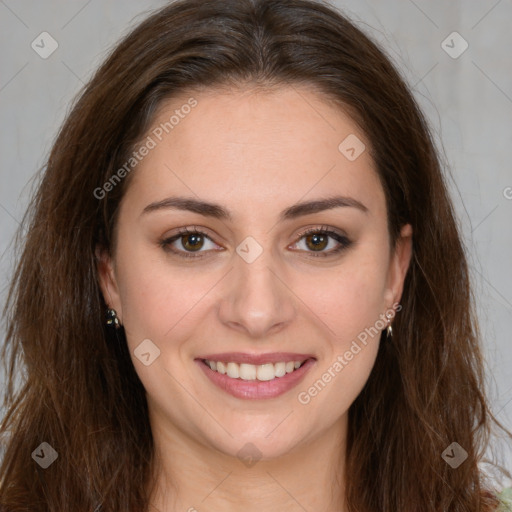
{"x": 257, "y": 359}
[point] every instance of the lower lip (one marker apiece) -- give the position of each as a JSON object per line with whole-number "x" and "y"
{"x": 256, "y": 389}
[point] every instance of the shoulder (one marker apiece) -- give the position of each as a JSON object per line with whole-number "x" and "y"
{"x": 505, "y": 497}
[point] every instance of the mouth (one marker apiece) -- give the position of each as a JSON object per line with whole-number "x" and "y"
{"x": 256, "y": 377}
{"x": 261, "y": 372}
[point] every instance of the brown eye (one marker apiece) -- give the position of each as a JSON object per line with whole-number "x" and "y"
{"x": 189, "y": 243}
{"x": 317, "y": 241}
{"x": 192, "y": 242}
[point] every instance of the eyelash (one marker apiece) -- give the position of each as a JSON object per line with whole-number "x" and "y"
{"x": 324, "y": 230}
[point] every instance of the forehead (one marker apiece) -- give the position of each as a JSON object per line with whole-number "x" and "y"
{"x": 254, "y": 150}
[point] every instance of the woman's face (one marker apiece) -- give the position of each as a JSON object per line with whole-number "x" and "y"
{"x": 250, "y": 172}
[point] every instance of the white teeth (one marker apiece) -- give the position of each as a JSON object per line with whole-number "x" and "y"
{"x": 261, "y": 372}
{"x": 266, "y": 372}
{"x": 233, "y": 370}
{"x": 247, "y": 371}
{"x": 280, "y": 369}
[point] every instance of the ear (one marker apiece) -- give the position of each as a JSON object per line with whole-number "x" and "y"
{"x": 107, "y": 280}
{"x": 398, "y": 265}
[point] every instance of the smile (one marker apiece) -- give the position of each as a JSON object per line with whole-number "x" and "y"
{"x": 256, "y": 377}
{"x": 262, "y": 372}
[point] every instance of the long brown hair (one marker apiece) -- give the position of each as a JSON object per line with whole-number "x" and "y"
{"x": 79, "y": 391}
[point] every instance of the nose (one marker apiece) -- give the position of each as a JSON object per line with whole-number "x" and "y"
{"x": 256, "y": 300}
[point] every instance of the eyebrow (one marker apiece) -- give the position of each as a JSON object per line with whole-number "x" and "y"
{"x": 217, "y": 211}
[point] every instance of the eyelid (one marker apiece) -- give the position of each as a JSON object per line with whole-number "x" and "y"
{"x": 323, "y": 228}
{"x": 341, "y": 238}
{"x": 167, "y": 241}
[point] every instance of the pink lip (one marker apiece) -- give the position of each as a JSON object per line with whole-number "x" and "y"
{"x": 242, "y": 357}
{"x": 255, "y": 389}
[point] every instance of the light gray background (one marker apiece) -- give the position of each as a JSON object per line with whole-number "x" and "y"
{"x": 468, "y": 101}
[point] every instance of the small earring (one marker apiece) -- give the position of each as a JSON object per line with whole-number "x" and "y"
{"x": 389, "y": 329}
{"x": 112, "y": 319}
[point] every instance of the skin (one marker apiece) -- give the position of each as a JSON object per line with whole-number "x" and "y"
{"x": 255, "y": 153}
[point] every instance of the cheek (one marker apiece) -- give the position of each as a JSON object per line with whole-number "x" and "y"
{"x": 347, "y": 298}
{"x": 158, "y": 306}
{"x": 351, "y": 305}
{"x": 157, "y": 297}
{"x": 339, "y": 384}
{"x": 350, "y": 350}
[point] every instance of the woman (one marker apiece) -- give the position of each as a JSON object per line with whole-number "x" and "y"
{"x": 242, "y": 284}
